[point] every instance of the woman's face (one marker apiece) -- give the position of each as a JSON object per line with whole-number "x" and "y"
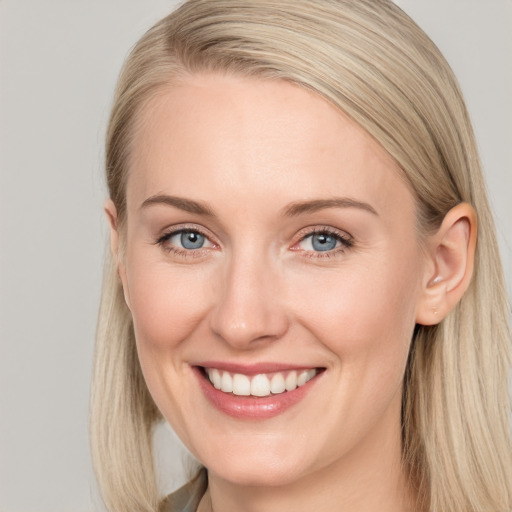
{"x": 271, "y": 243}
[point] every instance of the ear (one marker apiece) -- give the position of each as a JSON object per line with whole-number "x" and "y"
{"x": 111, "y": 212}
{"x": 450, "y": 261}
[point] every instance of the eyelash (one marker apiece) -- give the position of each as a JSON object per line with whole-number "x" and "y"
{"x": 346, "y": 242}
{"x": 162, "y": 241}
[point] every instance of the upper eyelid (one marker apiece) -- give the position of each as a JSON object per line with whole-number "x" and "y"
{"x": 174, "y": 230}
{"x": 300, "y": 235}
{"x": 163, "y": 242}
{"x": 308, "y": 231}
{"x": 345, "y": 239}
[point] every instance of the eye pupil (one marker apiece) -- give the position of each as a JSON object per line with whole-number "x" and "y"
{"x": 192, "y": 240}
{"x": 323, "y": 242}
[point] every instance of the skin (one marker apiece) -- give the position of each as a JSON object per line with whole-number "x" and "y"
{"x": 257, "y": 291}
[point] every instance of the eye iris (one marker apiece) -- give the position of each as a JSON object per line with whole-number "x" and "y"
{"x": 323, "y": 242}
{"x": 191, "y": 240}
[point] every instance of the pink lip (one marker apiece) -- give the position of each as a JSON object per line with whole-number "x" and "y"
{"x": 247, "y": 407}
{"x": 252, "y": 369}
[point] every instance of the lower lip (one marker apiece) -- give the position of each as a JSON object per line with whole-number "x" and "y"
{"x": 248, "y": 407}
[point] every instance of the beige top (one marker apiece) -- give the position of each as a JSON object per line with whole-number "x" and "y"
{"x": 186, "y": 498}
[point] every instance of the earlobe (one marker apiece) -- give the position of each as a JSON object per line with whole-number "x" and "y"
{"x": 451, "y": 252}
{"x": 111, "y": 212}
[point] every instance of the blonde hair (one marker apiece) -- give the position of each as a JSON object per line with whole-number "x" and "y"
{"x": 371, "y": 61}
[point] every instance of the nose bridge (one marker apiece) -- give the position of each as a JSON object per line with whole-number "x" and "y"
{"x": 247, "y": 307}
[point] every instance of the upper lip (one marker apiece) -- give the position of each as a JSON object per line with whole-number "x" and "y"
{"x": 256, "y": 368}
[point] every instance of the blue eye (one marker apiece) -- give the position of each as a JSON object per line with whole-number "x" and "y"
{"x": 324, "y": 241}
{"x": 184, "y": 241}
{"x": 191, "y": 239}
{"x": 187, "y": 239}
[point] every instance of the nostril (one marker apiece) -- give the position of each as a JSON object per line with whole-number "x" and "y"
{"x": 244, "y": 334}
{"x": 248, "y": 310}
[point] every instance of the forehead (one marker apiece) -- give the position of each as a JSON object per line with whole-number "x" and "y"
{"x": 226, "y": 137}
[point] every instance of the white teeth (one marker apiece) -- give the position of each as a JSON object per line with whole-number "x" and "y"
{"x": 302, "y": 378}
{"x": 277, "y": 384}
{"x": 260, "y": 385}
{"x": 241, "y": 385}
{"x": 215, "y": 378}
{"x": 226, "y": 383}
{"x": 291, "y": 381}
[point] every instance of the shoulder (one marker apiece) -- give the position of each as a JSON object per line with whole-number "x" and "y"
{"x": 186, "y": 498}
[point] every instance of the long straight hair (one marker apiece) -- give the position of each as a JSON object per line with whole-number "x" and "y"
{"x": 371, "y": 61}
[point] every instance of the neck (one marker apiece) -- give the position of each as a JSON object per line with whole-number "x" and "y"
{"x": 370, "y": 478}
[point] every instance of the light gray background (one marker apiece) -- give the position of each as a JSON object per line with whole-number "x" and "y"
{"x": 58, "y": 65}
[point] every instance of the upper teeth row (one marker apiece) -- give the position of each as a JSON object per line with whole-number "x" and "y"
{"x": 258, "y": 385}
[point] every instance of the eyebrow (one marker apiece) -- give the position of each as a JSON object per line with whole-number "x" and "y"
{"x": 298, "y": 208}
{"x": 292, "y": 210}
{"x": 181, "y": 203}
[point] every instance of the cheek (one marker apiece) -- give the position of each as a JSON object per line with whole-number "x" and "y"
{"x": 166, "y": 303}
{"x": 364, "y": 314}
{"x": 365, "y": 318}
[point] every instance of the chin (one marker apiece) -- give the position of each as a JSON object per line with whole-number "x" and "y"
{"x": 258, "y": 463}
{"x": 246, "y": 472}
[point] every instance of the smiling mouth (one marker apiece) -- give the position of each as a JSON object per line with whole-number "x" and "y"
{"x": 259, "y": 385}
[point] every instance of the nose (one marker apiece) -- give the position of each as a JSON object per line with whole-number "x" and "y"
{"x": 248, "y": 311}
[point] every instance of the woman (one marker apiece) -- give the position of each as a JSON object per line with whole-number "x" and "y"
{"x": 296, "y": 284}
